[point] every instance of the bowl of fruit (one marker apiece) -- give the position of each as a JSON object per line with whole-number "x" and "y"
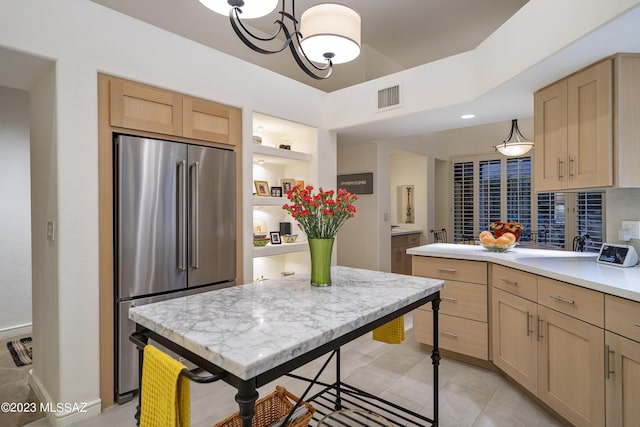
{"x": 503, "y": 243}
{"x": 499, "y": 228}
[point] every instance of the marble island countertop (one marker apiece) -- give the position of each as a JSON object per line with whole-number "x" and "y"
{"x": 249, "y": 329}
{"x": 578, "y": 268}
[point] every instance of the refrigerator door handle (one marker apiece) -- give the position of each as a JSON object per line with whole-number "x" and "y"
{"x": 195, "y": 215}
{"x": 181, "y": 171}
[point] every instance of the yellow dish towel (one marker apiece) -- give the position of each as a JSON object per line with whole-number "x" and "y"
{"x": 391, "y": 332}
{"x": 165, "y": 393}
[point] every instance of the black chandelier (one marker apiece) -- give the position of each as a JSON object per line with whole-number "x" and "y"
{"x": 326, "y": 34}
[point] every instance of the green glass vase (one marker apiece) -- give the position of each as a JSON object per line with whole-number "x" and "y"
{"x": 321, "y": 261}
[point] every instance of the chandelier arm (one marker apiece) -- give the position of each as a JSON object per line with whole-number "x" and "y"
{"x": 240, "y": 29}
{"x": 296, "y": 50}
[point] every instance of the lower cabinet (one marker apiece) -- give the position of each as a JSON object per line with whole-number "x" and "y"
{"x": 570, "y": 367}
{"x": 515, "y": 345}
{"x": 623, "y": 380}
{"x": 400, "y": 260}
{"x": 555, "y": 356}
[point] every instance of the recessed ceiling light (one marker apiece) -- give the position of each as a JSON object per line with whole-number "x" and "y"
{"x": 467, "y": 116}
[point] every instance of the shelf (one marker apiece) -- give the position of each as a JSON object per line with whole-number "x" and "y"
{"x": 269, "y": 201}
{"x": 283, "y": 248}
{"x": 278, "y": 155}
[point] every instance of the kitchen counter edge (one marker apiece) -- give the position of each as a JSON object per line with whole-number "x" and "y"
{"x": 577, "y": 268}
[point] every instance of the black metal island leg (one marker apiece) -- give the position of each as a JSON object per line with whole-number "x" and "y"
{"x": 435, "y": 357}
{"x": 246, "y": 398}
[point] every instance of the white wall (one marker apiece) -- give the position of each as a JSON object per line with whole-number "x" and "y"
{"x": 15, "y": 213}
{"x": 622, "y": 205}
{"x": 358, "y": 240}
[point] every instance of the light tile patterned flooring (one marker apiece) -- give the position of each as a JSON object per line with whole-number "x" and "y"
{"x": 469, "y": 395}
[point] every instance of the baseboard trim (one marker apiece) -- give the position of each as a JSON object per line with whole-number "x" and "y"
{"x": 61, "y": 418}
{"x": 16, "y": 331}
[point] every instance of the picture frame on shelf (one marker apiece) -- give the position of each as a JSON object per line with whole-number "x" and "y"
{"x": 287, "y": 184}
{"x": 300, "y": 182}
{"x": 262, "y": 188}
{"x": 275, "y": 237}
{"x": 276, "y": 191}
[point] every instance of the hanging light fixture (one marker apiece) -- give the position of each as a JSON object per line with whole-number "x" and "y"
{"x": 327, "y": 33}
{"x": 515, "y": 144}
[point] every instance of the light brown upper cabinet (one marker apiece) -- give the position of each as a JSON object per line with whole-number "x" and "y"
{"x": 147, "y": 108}
{"x": 209, "y": 121}
{"x": 151, "y": 109}
{"x": 584, "y": 127}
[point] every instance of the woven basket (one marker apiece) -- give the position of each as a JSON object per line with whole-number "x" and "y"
{"x": 270, "y": 409}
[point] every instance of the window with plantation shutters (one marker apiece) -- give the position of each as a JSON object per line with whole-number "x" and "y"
{"x": 519, "y": 193}
{"x": 551, "y": 220}
{"x": 463, "y": 201}
{"x": 489, "y": 192}
{"x": 589, "y": 219}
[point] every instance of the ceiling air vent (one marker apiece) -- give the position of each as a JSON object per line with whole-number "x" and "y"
{"x": 389, "y": 97}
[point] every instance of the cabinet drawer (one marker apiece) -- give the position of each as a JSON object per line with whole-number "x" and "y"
{"x": 581, "y": 303}
{"x": 466, "y": 300}
{"x": 517, "y": 282}
{"x": 460, "y": 335}
{"x": 408, "y": 240}
{"x": 450, "y": 269}
{"x": 622, "y": 316}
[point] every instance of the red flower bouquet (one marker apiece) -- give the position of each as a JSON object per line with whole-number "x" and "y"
{"x": 320, "y": 215}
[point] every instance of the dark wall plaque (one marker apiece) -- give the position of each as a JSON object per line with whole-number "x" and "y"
{"x": 359, "y": 183}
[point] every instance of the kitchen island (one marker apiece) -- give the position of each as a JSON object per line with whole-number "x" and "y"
{"x": 252, "y": 334}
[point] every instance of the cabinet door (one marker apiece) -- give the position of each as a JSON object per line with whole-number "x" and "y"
{"x": 623, "y": 381}
{"x": 141, "y": 107}
{"x": 398, "y": 260}
{"x": 514, "y": 338}
{"x": 209, "y": 121}
{"x": 570, "y": 367}
{"x": 590, "y": 127}
{"x": 550, "y": 137}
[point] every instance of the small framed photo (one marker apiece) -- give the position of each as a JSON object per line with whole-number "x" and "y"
{"x": 287, "y": 184}
{"x": 300, "y": 183}
{"x": 275, "y": 238}
{"x": 262, "y": 188}
{"x": 276, "y": 191}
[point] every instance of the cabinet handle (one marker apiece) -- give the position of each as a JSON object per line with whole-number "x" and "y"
{"x": 509, "y": 282}
{"x": 449, "y": 334}
{"x": 448, "y": 299}
{"x": 637, "y": 324}
{"x": 560, "y": 163}
{"x": 559, "y": 298}
{"x": 607, "y": 359}
{"x": 529, "y": 330}
{"x": 569, "y": 167}
{"x": 540, "y": 329}
{"x": 447, "y": 270}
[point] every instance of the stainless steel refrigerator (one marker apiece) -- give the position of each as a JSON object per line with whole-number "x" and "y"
{"x": 175, "y": 230}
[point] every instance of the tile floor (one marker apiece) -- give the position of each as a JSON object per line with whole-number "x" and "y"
{"x": 469, "y": 395}
{"x": 14, "y": 387}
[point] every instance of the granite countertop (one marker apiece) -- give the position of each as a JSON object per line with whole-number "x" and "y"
{"x": 578, "y": 268}
{"x": 249, "y": 329}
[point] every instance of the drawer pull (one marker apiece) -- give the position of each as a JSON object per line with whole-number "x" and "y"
{"x": 607, "y": 360}
{"x": 540, "y": 328}
{"x": 448, "y": 299}
{"x": 447, "y": 270}
{"x": 449, "y": 334}
{"x": 637, "y": 324}
{"x": 509, "y": 282}
{"x": 559, "y": 298}
{"x": 529, "y": 330}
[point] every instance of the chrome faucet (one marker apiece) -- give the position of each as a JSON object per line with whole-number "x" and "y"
{"x": 579, "y": 243}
